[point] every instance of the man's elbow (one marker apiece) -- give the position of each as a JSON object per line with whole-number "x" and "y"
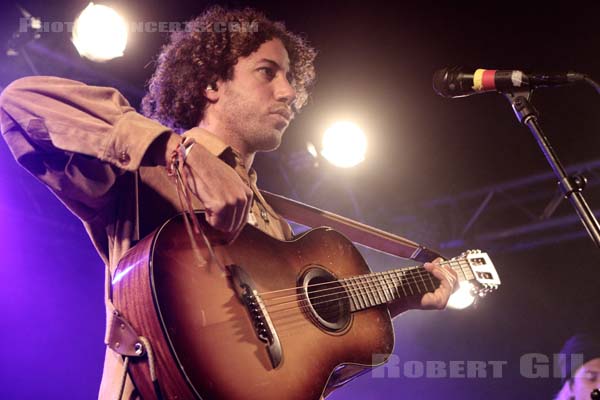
{"x": 14, "y": 90}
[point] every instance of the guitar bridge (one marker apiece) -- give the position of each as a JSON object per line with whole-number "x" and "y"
{"x": 263, "y": 326}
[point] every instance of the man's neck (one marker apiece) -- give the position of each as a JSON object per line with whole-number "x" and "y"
{"x": 247, "y": 157}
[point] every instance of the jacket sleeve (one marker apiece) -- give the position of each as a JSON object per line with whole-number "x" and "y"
{"x": 77, "y": 139}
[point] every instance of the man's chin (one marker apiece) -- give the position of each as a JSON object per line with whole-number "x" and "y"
{"x": 271, "y": 140}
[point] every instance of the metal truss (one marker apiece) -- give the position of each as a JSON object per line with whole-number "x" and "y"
{"x": 517, "y": 215}
{"x": 512, "y": 216}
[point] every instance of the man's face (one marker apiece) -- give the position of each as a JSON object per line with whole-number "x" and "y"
{"x": 255, "y": 105}
{"x": 586, "y": 379}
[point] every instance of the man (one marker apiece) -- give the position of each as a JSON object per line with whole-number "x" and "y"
{"x": 232, "y": 82}
{"x": 580, "y": 379}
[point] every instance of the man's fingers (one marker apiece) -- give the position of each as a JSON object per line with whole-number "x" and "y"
{"x": 248, "y": 206}
{"x": 242, "y": 208}
{"x": 232, "y": 213}
{"x": 225, "y": 196}
{"x": 448, "y": 279}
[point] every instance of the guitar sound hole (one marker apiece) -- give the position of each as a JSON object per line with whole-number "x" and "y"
{"x": 327, "y": 300}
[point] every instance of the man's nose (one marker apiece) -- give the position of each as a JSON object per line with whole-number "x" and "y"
{"x": 285, "y": 92}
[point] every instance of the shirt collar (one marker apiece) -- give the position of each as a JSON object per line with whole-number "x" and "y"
{"x": 209, "y": 140}
{"x": 217, "y": 147}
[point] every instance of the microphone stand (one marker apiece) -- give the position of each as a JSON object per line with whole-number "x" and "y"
{"x": 571, "y": 186}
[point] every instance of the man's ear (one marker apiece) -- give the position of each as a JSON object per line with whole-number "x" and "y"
{"x": 212, "y": 91}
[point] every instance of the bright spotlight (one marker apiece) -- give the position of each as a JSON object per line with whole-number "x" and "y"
{"x": 100, "y": 33}
{"x": 344, "y": 144}
{"x": 463, "y": 297}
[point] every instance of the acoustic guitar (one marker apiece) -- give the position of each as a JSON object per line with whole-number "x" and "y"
{"x": 260, "y": 318}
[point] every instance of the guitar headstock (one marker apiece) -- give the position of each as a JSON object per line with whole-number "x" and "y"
{"x": 477, "y": 268}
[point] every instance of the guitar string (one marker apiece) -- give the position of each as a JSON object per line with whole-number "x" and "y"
{"x": 287, "y": 321}
{"x": 371, "y": 299}
{"x": 369, "y": 296}
{"x": 297, "y": 318}
{"x": 307, "y": 306}
{"x": 444, "y": 263}
{"x": 365, "y": 298}
{"x": 358, "y": 296}
{"x": 371, "y": 288}
{"x": 388, "y": 276}
{"x": 461, "y": 264}
{"x": 415, "y": 276}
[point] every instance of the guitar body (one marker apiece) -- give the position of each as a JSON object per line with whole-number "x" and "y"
{"x": 203, "y": 335}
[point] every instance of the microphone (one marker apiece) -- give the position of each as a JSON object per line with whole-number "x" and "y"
{"x": 456, "y": 82}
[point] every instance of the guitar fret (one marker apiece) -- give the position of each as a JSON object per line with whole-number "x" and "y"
{"x": 386, "y": 288}
{"x": 351, "y": 292}
{"x": 348, "y": 287}
{"x": 390, "y": 285}
{"x": 365, "y": 284}
{"x": 383, "y": 287}
{"x": 406, "y": 282}
{"x": 377, "y": 290}
{"x": 419, "y": 275}
{"x": 360, "y": 296}
{"x": 468, "y": 268}
{"x": 425, "y": 277}
{"x": 414, "y": 281}
{"x": 394, "y": 284}
{"x": 418, "y": 272}
{"x": 399, "y": 275}
{"x": 457, "y": 267}
{"x": 411, "y": 281}
{"x": 433, "y": 284}
{"x": 366, "y": 294}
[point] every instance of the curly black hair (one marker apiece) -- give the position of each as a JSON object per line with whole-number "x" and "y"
{"x": 207, "y": 50}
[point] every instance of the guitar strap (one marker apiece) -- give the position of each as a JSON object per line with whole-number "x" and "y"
{"x": 357, "y": 232}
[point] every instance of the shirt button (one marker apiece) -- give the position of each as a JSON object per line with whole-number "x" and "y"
{"x": 124, "y": 158}
{"x": 264, "y": 215}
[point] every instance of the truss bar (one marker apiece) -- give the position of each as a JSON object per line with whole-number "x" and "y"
{"x": 586, "y": 166}
{"x": 477, "y": 213}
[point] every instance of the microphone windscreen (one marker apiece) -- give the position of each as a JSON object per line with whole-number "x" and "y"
{"x": 440, "y": 82}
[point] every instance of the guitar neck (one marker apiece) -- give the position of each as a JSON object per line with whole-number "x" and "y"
{"x": 370, "y": 290}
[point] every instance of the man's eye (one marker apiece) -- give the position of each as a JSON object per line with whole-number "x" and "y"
{"x": 268, "y": 72}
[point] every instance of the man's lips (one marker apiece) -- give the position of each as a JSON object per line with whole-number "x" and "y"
{"x": 287, "y": 115}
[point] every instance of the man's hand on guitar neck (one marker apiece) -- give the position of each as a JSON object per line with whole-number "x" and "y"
{"x": 448, "y": 285}
{"x": 436, "y": 300}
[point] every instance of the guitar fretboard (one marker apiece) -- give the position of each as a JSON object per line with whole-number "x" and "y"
{"x": 370, "y": 290}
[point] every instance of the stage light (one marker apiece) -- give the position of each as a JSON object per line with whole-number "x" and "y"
{"x": 463, "y": 297}
{"x": 344, "y": 144}
{"x": 100, "y": 33}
